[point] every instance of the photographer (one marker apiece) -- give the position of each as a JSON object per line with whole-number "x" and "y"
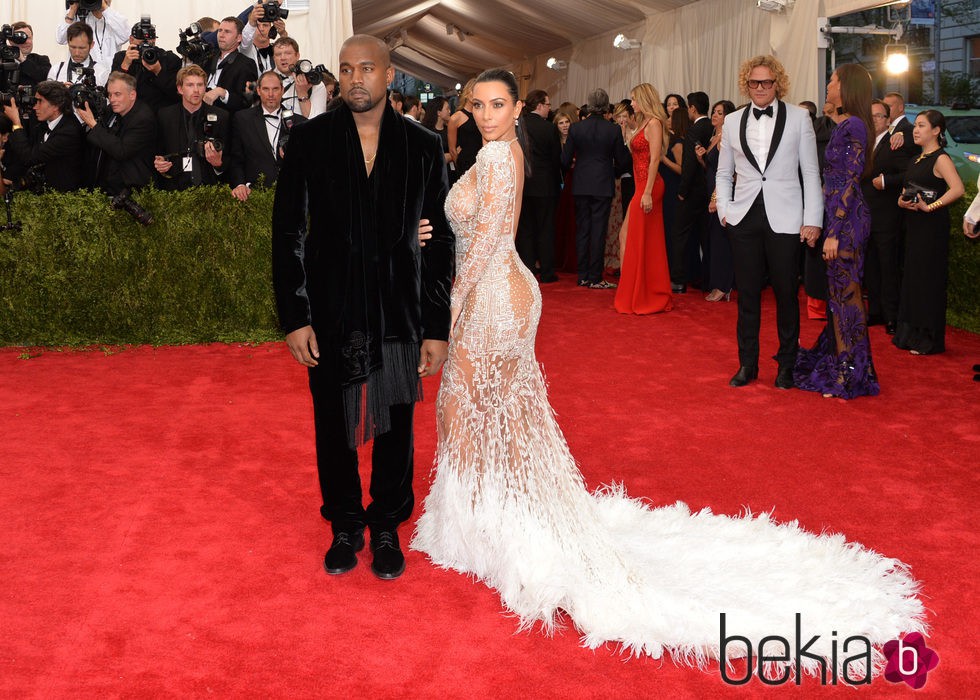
{"x": 299, "y": 94}
{"x": 229, "y": 72}
{"x": 55, "y": 153}
{"x": 258, "y": 35}
{"x": 124, "y": 138}
{"x": 155, "y": 69}
{"x": 258, "y": 138}
{"x": 192, "y": 135}
{"x": 33, "y": 67}
{"x": 109, "y": 29}
{"x": 79, "y": 56}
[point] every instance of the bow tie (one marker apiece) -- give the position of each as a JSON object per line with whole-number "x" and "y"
{"x": 75, "y": 66}
{"x": 759, "y": 112}
{"x": 273, "y": 117}
{"x": 267, "y": 51}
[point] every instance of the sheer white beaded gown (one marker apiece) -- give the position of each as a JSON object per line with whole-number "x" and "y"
{"x": 509, "y": 506}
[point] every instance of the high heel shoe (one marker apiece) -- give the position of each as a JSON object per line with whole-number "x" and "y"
{"x": 718, "y": 295}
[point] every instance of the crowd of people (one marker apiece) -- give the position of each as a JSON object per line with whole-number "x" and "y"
{"x": 118, "y": 112}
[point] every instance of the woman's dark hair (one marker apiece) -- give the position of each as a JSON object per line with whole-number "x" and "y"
{"x": 935, "y": 118}
{"x": 855, "y": 98}
{"x": 681, "y": 104}
{"x": 432, "y": 108}
{"x": 680, "y": 122}
{"x": 627, "y": 105}
{"x": 495, "y": 75}
{"x": 726, "y": 105}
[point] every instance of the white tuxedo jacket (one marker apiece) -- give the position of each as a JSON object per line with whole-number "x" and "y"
{"x": 789, "y": 180}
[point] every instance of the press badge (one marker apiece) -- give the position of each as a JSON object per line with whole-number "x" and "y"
{"x": 188, "y": 164}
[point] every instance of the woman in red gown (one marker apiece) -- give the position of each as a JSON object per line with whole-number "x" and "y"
{"x": 644, "y": 282}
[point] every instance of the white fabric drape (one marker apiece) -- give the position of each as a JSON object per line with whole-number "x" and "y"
{"x": 696, "y": 47}
{"x": 320, "y": 31}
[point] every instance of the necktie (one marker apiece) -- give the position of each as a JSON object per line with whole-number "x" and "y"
{"x": 891, "y": 130}
{"x": 759, "y": 112}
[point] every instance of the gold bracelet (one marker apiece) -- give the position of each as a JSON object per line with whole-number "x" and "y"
{"x": 936, "y": 205}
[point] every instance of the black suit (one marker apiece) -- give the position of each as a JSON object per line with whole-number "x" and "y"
{"x": 346, "y": 260}
{"x": 157, "y": 91}
{"x": 536, "y": 227}
{"x": 882, "y": 267}
{"x": 62, "y": 155}
{"x": 599, "y": 153}
{"x": 124, "y": 149}
{"x": 34, "y": 69}
{"x": 251, "y": 154}
{"x": 236, "y": 70}
{"x": 691, "y": 222}
{"x": 179, "y": 132}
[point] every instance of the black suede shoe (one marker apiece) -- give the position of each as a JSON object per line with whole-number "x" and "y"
{"x": 389, "y": 562}
{"x": 890, "y": 328}
{"x": 342, "y": 555}
{"x": 678, "y": 288}
{"x": 744, "y": 375}
{"x": 784, "y": 378}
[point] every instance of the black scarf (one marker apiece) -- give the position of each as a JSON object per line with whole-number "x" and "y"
{"x": 377, "y": 372}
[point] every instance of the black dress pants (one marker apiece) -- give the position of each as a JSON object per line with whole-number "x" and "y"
{"x": 690, "y": 230}
{"x": 536, "y": 235}
{"x": 756, "y": 248}
{"x": 392, "y": 465}
{"x": 591, "y": 222}
{"x": 882, "y": 274}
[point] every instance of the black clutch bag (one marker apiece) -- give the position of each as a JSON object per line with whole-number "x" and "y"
{"x": 913, "y": 192}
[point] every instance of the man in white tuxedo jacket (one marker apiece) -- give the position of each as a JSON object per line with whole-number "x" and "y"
{"x": 769, "y": 156}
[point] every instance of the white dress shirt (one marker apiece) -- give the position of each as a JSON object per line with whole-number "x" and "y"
{"x": 758, "y": 133}
{"x": 108, "y": 34}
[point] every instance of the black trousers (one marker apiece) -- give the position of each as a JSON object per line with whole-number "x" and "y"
{"x": 883, "y": 275}
{"x": 756, "y": 248}
{"x": 591, "y": 222}
{"x": 690, "y": 231}
{"x": 536, "y": 234}
{"x": 392, "y": 466}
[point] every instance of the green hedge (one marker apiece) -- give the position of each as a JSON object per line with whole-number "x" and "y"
{"x": 79, "y": 273}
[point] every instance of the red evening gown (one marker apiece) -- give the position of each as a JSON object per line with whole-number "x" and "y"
{"x": 644, "y": 282}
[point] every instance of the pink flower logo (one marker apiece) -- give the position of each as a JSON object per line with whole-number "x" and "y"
{"x": 909, "y": 660}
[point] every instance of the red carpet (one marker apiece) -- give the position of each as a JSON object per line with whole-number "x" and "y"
{"x": 161, "y": 534}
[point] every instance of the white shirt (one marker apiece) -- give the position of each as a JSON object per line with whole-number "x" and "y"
{"x": 272, "y": 126}
{"x": 59, "y": 71}
{"x": 213, "y": 79}
{"x": 52, "y": 123}
{"x": 318, "y": 97}
{"x": 880, "y": 136}
{"x": 758, "y": 133}
{"x": 108, "y": 34}
{"x": 896, "y": 122}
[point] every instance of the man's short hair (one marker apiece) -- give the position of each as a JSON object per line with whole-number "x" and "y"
{"x": 888, "y": 111}
{"x": 535, "y": 98}
{"x": 78, "y": 28}
{"x": 286, "y": 41}
{"x": 409, "y": 102}
{"x": 396, "y": 96}
{"x": 810, "y": 107}
{"x": 17, "y": 26}
{"x": 258, "y": 83}
{"x": 56, "y": 93}
{"x": 597, "y": 102}
{"x": 896, "y": 95}
{"x": 208, "y": 24}
{"x": 239, "y": 25}
{"x": 192, "y": 69}
{"x": 122, "y": 77}
{"x": 699, "y": 100}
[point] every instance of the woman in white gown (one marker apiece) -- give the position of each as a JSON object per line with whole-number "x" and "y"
{"x": 509, "y": 505}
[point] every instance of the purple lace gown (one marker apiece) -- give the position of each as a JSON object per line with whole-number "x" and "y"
{"x": 840, "y": 362}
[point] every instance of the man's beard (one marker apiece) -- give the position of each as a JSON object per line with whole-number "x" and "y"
{"x": 361, "y": 102}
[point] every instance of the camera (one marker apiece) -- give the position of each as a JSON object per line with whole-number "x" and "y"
{"x": 913, "y": 192}
{"x": 210, "y": 121}
{"x": 9, "y": 55}
{"x": 23, "y": 97}
{"x": 84, "y": 7}
{"x": 124, "y": 201}
{"x": 87, "y": 91}
{"x": 273, "y": 11}
{"x": 144, "y": 32}
{"x": 193, "y": 47}
{"x": 286, "y": 122}
{"x": 33, "y": 180}
{"x": 314, "y": 75}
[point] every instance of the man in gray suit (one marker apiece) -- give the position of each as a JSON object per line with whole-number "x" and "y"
{"x": 769, "y": 154}
{"x": 597, "y": 147}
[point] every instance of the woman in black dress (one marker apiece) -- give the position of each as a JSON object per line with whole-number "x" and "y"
{"x": 465, "y": 140}
{"x": 721, "y": 268}
{"x": 922, "y": 306}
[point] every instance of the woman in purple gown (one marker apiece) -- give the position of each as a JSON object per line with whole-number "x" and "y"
{"x": 839, "y": 364}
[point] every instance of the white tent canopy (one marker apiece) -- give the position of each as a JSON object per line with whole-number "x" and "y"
{"x": 686, "y": 44}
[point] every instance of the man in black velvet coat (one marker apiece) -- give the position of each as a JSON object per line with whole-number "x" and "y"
{"x": 363, "y": 306}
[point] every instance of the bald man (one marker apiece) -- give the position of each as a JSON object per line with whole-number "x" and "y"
{"x": 363, "y": 306}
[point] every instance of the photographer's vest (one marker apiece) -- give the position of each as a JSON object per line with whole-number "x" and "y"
{"x": 72, "y": 71}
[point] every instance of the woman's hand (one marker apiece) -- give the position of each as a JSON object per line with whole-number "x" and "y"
{"x": 646, "y": 203}
{"x": 830, "y": 249}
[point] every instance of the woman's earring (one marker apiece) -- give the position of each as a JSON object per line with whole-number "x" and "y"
{"x": 517, "y": 122}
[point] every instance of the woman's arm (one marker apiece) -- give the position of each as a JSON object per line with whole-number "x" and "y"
{"x": 455, "y": 122}
{"x": 654, "y": 132}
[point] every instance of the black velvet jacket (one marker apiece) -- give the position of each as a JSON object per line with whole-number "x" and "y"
{"x": 357, "y": 271}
